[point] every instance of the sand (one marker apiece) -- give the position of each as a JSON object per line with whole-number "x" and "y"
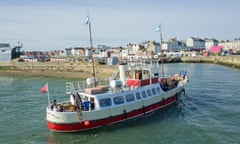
{"x": 50, "y": 69}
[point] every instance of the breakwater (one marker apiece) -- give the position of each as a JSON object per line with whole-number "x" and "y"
{"x": 232, "y": 61}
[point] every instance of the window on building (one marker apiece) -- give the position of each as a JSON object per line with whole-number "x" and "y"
{"x": 105, "y": 102}
{"x": 129, "y": 97}
{"x": 118, "y": 100}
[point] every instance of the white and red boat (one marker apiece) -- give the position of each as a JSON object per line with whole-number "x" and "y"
{"x": 135, "y": 90}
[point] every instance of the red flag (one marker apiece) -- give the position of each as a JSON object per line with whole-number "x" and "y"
{"x": 44, "y": 88}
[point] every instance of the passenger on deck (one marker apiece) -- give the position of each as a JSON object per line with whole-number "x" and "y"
{"x": 55, "y": 102}
{"x": 92, "y": 105}
{"x": 86, "y": 103}
{"x": 164, "y": 84}
{"x": 54, "y": 105}
{"x": 60, "y": 108}
{"x": 55, "y": 108}
{"x": 183, "y": 74}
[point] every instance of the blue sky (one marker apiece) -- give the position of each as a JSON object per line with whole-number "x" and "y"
{"x": 56, "y": 25}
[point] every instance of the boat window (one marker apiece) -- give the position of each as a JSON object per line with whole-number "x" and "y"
{"x": 118, "y": 100}
{"x": 105, "y": 102}
{"x": 129, "y": 97}
{"x": 138, "y": 96}
{"x": 153, "y": 91}
{"x": 144, "y": 94}
{"x": 149, "y": 92}
{"x": 158, "y": 90}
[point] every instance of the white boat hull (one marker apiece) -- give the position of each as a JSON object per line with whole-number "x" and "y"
{"x": 80, "y": 121}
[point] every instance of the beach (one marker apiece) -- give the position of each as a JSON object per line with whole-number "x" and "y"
{"x": 80, "y": 70}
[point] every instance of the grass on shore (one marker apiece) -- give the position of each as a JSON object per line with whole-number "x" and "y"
{"x": 5, "y": 68}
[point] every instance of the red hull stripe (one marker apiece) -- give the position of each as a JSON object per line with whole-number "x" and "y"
{"x": 110, "y": 120}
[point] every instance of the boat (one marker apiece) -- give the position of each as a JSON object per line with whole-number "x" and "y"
{"x": 5, "y": 52}
{"x": 136, "y": 89}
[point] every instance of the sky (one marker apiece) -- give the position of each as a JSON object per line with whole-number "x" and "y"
{"x": 42, "y": 25}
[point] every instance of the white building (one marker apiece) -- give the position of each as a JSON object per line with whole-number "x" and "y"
{"x": 230, "y": 45}
{"x": 77, "y": 51}
{"x": 5, "y": 52}
{"x": 165, "y": 46}
{"x": 154, "y": 47}
{"x": 133, "y": 49}
{"x": 195, "y": 43}
{"x": 209, "y": 43}
{"x": 175, "y": 45}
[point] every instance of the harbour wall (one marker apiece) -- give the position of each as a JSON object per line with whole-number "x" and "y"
{"x": 231, "y": 61}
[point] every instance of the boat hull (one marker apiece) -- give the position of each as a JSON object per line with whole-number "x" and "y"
{"x": 82, "y": 125}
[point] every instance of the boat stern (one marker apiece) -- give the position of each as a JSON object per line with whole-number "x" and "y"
{"x": 63, "y": 121}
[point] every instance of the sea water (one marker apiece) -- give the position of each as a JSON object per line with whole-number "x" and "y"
{"x": 208, "y": 112}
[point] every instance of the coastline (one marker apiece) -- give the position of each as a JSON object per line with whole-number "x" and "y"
{"x": 83, "y": 70}
{"x": 52, "y": 69}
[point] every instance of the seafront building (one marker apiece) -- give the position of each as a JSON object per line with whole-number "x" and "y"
{"x": 173, "y": 45}
{"x": 209, "y": 43}
{"x": 76, "y": 51}
{"x": 231, "y": 46}
{"x": 196, "y": 44}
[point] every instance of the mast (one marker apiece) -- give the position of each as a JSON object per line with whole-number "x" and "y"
{"x": 161, "y": 53}
{"x": 159, "y": 29}
{"x": 91, "y": 47}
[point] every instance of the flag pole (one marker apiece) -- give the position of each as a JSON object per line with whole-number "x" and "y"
{"x": 159, "y": 29}
{"x": 48, "y": 96}
{"x": 161, "y": 41}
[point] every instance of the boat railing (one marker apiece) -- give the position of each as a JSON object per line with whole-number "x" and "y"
{"x": 75, "y": 86}
{"x": 79, "y": 86}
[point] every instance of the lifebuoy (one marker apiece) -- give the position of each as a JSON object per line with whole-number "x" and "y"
{"x": 86, "y": 123}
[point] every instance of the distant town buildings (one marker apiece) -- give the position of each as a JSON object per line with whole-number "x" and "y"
{"x": 147, "y": 49}
{"x": 231, "y": 46}
{"x": 191, "y": 44}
